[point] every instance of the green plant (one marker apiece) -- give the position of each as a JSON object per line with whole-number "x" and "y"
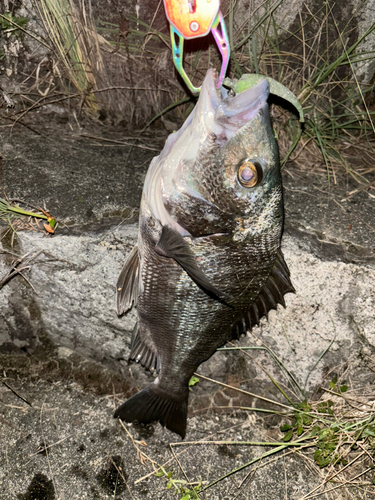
{"x": 11, "y": 24}
{"x": 11, "y": 212}
{"x": 336, "y": 436}
{"x": 75, "y": 43}
{"x": 318, "y": 60}
{"x": 179, "y": 485}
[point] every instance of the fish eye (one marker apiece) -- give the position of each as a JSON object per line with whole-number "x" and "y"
{"x": 250, "y": 173}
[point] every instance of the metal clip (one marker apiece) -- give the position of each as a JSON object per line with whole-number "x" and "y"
{"x": 193, "y": 19}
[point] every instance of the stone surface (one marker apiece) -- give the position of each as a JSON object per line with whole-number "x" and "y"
{"x": 329, "y": 245}
{"x": 69, "y": 440}
{"x": 63, "y": 348}
{"x": 73, "y": 304}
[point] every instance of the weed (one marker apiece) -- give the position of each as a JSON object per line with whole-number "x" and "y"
{"x": 18, "y": 218}
{"x": 75, "y": 43}
{"x": 320, "y": 58}
{"x": 336, "y": 435}
{"x": 180, "y": 485}
{"x": 11, "y": 24}
{"x": 319, "y": 61}
{"x": 339, "y": 430}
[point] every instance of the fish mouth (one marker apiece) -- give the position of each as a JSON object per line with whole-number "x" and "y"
{"x": 218, "y": 116}
{"x": 224, "y": 117}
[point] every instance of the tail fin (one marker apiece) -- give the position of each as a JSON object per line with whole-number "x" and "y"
{"x": 155, "y": 404}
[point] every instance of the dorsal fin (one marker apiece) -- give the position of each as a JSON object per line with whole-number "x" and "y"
{"x": 272, "y": 293}
{"x": 127, "y": 283}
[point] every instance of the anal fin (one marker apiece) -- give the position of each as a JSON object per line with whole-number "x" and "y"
{"x": 127, "y": 283}
{"x": 144, "y": 352}
{"x": 272, "y": 294}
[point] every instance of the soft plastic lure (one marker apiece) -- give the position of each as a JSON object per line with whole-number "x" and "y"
{"x": 276, "y": 88}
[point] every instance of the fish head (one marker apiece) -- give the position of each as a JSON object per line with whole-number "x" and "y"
{"x": 220, "y": 171}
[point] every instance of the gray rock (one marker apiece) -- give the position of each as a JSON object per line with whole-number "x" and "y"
{"x": 63, "y": 348}
{"x": 73, "y": 303}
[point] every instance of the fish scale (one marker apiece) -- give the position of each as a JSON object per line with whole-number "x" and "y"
{"x": 208, "y": 263}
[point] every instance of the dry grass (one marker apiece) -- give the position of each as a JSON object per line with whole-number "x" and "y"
{"x": 76, "y": 45}
{"x": 123, "y": 72}
{"x": 321, "y": 60}
{"x": 333, "y": 437}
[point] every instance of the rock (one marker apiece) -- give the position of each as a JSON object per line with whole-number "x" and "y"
{"x": 64, "y": 350}
{"x": 70, "y": 294}
{"x": 68, "y": 297}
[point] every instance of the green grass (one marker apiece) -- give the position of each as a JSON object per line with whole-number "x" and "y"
{"x": 10, "y": 212}
{"x": 318, "y": 58}
{"x": 75, "y": 45}
{"x": 335, "y": 432}
{"x": 322, "y": 72}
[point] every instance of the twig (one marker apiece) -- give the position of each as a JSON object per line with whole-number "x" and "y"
{"x": 122, "y": 143}
{"x": 25, "y": 31}
{"x": 347, "y": 400}
{"x": 16, "y": 393}
{"x": 179, "y": 464}
{"x": 308, "y": 495}
{"x": 45, "y": 448}
{"x": 182, "y": 452}
{"x": 142, "y": 456}
{"x": 340, "y": 485}
{"x": 19, "y": 266}
{"x": 245, "y": 392}
{"x": 14, "y": 121}
{"x": 265, "y": 463}
{"x": 119, "y": 471}
{"x": 242, "y": 443}
{"x": 268, "y": 453}
{"x": 18, "y": 200}
{"x": 27, "y": 280}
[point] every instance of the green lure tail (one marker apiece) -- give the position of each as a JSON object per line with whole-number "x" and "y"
{"x": 276, "y": 88}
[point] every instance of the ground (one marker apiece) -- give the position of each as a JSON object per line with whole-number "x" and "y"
{"x": 63, "y": 351}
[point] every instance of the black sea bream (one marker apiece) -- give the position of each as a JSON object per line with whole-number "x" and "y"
{"x": 208, "y": 263}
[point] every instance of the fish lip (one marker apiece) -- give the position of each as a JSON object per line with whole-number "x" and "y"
{"x": 235, "y": 112}
{"x": 219, "y": 115}
{"x": 210, "y": 98}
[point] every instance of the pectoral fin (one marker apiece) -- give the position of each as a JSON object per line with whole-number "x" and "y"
{"x": 127, "y": 283}
{"x": 172, "y": 245}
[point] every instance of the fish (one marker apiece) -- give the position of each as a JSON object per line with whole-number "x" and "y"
{"x": 208, "y": 264}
